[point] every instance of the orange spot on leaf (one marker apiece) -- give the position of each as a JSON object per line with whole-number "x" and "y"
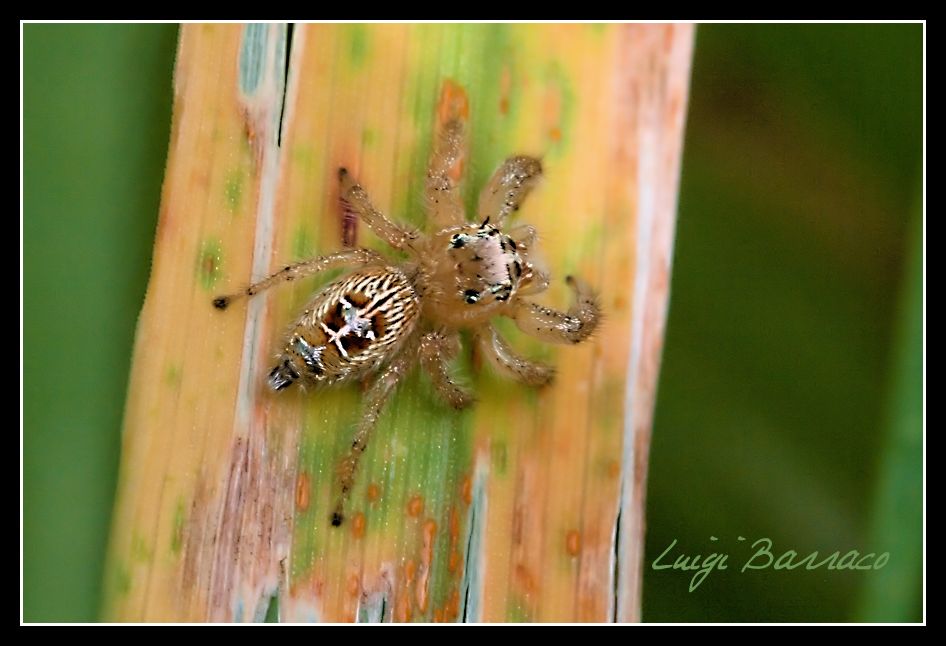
{"x": 614, "y": 468}
{"x": 455, "y": 560}
{"x": 452, "y": 609}
{"x": 456, "y": 171}
{"x": 524, "y": 577}
{"x": 668, "y": 38}
{"x": 505, "y": 82}
{"x": 358, "y": 525}
{"x": 454, "y": 524}
{"x": 453, "y": 102}
{"x": 453, "y": 105}
{"x": 466, "y": 490}
{"x": 374, "y": 492}
{"x": 402, "y": 612}
{"x": 430, "y": 530}
{"x": 210, "y": 265}
{"x": 415, "y": 506}
{"x": 426, "y": 560}
{"x": 573, "y": 543}
{"x": 354, "y": 585}
{"x": 302, "y": 491}
{"x": 620, "y": 302}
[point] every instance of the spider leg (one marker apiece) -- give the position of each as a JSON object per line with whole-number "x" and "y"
{"x": 494, "y": 347}
{"x": 553, "y": 326}
{"x": 353, "y": 195}
{"x": 301, "y": 270}
{"x": 436, "y": 350}
{"x": 374, "y": 402}
{"x": 442, "y": 189}
{"x": 507, "y": 189}
{"x": 536, "y": 282}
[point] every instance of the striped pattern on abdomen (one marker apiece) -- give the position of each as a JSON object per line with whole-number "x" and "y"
{"x": 349, "y": 328}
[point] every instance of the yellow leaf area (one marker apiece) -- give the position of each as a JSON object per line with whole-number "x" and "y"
{"x": 506, "y": 511}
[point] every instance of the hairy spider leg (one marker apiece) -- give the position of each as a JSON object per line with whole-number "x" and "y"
{"x": 507, "y": 189}
{"x": 348, "y": 258}
{"x": 492, "y": 345}
{"x": 553, "y": 326}
{"x": 355, "y": 196}
{"x": 442, "y": 188}
{"x": 436, "y": 351}
{"x": 374, "y": 401}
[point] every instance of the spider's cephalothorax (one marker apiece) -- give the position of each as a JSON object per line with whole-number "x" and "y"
{"x": 381, "y": 320}
{"x": 488, "y": 266}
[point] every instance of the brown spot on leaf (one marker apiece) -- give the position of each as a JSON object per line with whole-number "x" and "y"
{"x": 455, "y": 560}
{"x": 354, "y": 585}
{"x": 403, "y": 611}
{"x": 302, "y": 491}
{"x": 415, "y": 506}
{"x": 505, "y": 83}
{"x": 455, "y": 564}
{"x": 374, "y": 492}
{"x": 349, "y": 223}
{"x": 452, "y": 609}
{"x": 426, "y": 560}
{"x": 524, "y": 578}
{"x": 210, "y": 264}
{"x": 453, "y": 102}
{"x": 614, "y": 468}
{"x": 358, "y": 525}
{"x": 573, "y": 543}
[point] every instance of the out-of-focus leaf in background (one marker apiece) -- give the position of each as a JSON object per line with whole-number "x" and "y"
{"x": 802, "y": 155}
{"x": 96, "y": 118}
{"x": 894, "y": 593}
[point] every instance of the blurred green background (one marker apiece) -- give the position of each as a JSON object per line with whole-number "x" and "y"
{"x": 790, "y": 402}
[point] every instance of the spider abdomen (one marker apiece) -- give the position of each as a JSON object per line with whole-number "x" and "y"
{"x": 349, "y": 329}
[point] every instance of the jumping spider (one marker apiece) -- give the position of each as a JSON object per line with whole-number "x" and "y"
{"x": 383, "y": 318}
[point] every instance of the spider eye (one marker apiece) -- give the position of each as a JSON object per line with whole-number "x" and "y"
{"x": 471, "y": 296}
{"x": 457, "y": 241}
